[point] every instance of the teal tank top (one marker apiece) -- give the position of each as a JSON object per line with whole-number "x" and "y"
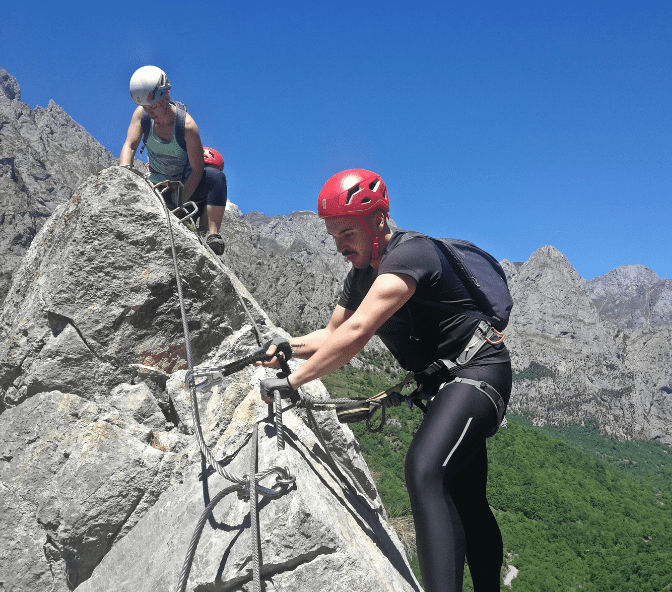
{"x": 168, "y": 159}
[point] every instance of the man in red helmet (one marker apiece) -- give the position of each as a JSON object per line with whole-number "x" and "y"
{"x": 213, "y": 159}
{"x": 386, "y": 293}
{"x": 174, "y": 153}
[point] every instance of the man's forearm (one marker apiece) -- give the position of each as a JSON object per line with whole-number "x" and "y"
{"x": 336, "y": 350}
{"x": 305, "y": 346}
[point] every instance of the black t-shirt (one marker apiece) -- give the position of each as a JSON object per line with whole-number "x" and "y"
{"x": 418, "y": 334}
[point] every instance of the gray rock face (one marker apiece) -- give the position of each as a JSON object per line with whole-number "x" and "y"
{"x": 101, "y": 481}
{"x": 632, "y": 296}
{"x": 307, "y": 543}
{"x": 75, "y": 476}
{"x": 289, "y": 263}
{"x": 79, "y": 328}
{"x": 44, "y": 156}
{"x": 578, "y": 365}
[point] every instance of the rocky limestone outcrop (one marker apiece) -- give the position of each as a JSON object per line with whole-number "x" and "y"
{"x": 289, "y": 263}
{"x": 575, "y": 365}
{"x": 44, "y": 156}
{"x": 632, "y": 296}
{"x": 101, "y": 480}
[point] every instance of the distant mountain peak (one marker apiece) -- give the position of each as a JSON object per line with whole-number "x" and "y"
{"x": 9, "y": 87}
{"x": 626, "y": 274}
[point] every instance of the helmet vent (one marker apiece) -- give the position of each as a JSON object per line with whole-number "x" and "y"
{"x": 351, "y": 193}
{"x": 373, "y": 186}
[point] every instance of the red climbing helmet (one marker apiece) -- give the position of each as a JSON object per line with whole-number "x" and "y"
{"x": 353, "y": 192}
{"x": 211, "y": 156}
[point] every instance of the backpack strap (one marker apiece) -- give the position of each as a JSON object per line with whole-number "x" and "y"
{"x": 180, "y": 118}
{"x": 146, "y": 123}
{"x": 408, "y": 234}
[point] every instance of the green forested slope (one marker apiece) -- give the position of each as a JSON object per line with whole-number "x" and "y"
{"x": 577, "y": 511}
{"x": 575, "y": 521}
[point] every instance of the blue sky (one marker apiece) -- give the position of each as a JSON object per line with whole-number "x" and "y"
{"x": 513, "y": 125}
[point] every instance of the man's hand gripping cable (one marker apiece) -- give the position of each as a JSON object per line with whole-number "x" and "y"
{"x": 206, "y": 377}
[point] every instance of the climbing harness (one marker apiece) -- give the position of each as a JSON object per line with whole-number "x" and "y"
{"x": 485, "y": 333}
{"x": 491, "y": 393}
{"x": 443, "y": 372}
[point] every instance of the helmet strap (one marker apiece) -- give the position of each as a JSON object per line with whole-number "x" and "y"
{"x": 375, "y": 247}
{"x": 374, "y": 250}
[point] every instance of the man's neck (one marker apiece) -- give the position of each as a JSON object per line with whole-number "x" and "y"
{"x": 383, "y": 241}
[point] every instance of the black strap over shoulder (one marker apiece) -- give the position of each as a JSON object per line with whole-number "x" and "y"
{"x": 180, "y": 119}
{"x": 146, "y": 124}
{"x": 482, "y": 276}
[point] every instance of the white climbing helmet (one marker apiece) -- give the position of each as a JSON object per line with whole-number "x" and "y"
{"x": 149, "y": 85}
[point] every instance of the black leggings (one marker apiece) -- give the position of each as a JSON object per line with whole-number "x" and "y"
{"x": 211, "y": 191}
{"x": 446, "y": 474}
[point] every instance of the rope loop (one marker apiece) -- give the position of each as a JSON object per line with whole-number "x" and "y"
{"x": 383, "y": 416}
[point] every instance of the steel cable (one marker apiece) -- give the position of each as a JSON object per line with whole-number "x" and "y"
{"x": 284, "y": 479}
{"x": 254, "y": 522}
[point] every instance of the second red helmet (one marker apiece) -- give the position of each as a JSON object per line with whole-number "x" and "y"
{"x": 352, "y": 192}
{"x": 211, "y": 156}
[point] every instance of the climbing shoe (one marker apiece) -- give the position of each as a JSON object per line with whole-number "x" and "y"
{"x": 215, "y": 242}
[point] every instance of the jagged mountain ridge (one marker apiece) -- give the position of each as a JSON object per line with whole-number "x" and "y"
{"x": 603, "y": 344}
{"x": 44, "y": 156}
{"x": 580, "y": 365}
{"x": 632, "y": 296}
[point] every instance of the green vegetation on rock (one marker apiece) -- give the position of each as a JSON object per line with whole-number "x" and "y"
{"x": 534, "y": 372}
